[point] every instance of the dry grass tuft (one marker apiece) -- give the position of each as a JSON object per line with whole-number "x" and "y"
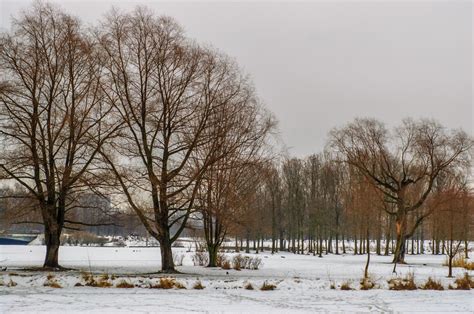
{"x": 168, "y": 283}
{"x": 226, "y": 265}
{"x": 103, "y": 281}
{"x": 124, "y": 284}
{"x": 432, "y": 284}
{"x": 268, "y": 286}
{"x": 198, "y": 285}
{"x": 346, "y": 286}
{"x": 11, "y": 283}
{"x": 87, "y": 276}
{"x": 52, "y": 284}
{"x": 367, "y": 284}
{"x": 248, "y": 286}
{"x": 460, "y": 261}
{"x": 50, "y": 276}
{"x": 405, "y": 283}
{"x": 464, "y": 283}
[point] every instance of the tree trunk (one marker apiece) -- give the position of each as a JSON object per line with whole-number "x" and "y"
{"x": 343, "y": 245}
{"x": 167, "y": 264}
{"x": 366, "y": 270}
{"x": 450, "y": 264}
{"x": 212, "y": 249}
{"x": 52, "y": 235}
{"x": 466, "y": 249}
{"x": 399, "y": 254}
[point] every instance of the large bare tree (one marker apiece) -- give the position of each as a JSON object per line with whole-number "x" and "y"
{"x": 52, "y": 116}
{"x": 403, "y": 164}
{"x": 170, "y": 94}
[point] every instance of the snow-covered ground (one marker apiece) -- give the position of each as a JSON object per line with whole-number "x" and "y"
{"x": 302, "y": 284}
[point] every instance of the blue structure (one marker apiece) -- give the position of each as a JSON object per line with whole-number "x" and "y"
{"x": 16, "y": 240}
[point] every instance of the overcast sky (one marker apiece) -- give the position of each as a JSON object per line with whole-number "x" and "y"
{"x": 319, "y": 64}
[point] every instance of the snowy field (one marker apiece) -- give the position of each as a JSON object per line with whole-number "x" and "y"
{"x": 303, "y": 284}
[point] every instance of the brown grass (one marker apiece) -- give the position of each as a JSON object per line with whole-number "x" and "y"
{"x": 405, "y": 283}
{"x": 101, "y": 283}
{"x": 464, "y": 283}
{"x": 87, "y": 276}
{"x": 366, "y": 284}
{"x": 198, "y": 285}
{"x": 168, "y": 283}
{"x": 346, "y": 286}
{"x": 53, "y": 284}
{"x": 460, "y": 261}
{"x": 50, "y": 276}
{"x": 432, "y": 284}
{"x": 248, "y": 286}
{"x": 268, "y": 286}
{"x": 226, "y": 265}
{"x": 124, "y": 284}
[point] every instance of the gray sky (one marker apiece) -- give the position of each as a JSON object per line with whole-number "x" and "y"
{"x": 319, "y": 64}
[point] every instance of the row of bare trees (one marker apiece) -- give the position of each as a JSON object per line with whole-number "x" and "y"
{"x": 132, "y": 109}
{"x": 168, "y": 129}
{"x": 395, "y": 187}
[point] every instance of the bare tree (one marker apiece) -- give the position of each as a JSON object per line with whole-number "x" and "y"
{"x": 53, "y": 119}
{"x": 170, "y": 94}
{"x": 403, "y": 164}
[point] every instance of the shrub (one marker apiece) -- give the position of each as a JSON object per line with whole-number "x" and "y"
{"x": 346, "y": 286}
{"x": 178, "y": 259}
{"x": 405, "y": 283}
{"x": 124, "y": 284}
{"x": 366, "y": 284}
{"x": 221, "y": 260}
{"x": 239, "y": 262}
{"x": 226, "y": 265}
{"x": 83, "y": 238}
{"x": 332, "y": 286}
{"x": 432, "y": 284}
{"x": 255, "y": 263}
{"x": 268, "y": 286}
{"x": 464, "y": 283}
{"x": 198, "y": 285}
{"x": 168, "y": 283}
{"x": 248, "y": 286}
{"x": 200, "y": 258}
